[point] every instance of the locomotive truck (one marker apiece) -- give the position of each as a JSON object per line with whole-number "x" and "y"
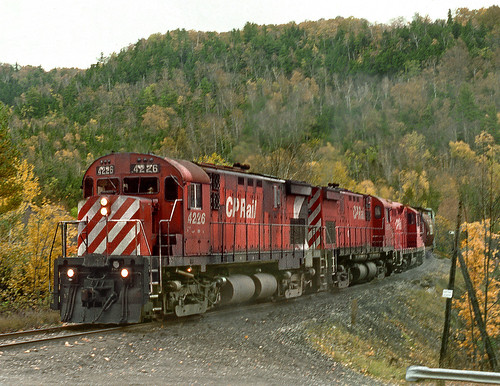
{"x": 160, "y": 236}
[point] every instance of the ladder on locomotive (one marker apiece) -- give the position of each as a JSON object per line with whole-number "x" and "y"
{"x": 155, "y": 287}
{"x": 323, "y": 270}
{"x": 156, "y": 262}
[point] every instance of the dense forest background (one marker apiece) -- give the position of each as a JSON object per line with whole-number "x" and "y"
{"x": 373, "y": 107}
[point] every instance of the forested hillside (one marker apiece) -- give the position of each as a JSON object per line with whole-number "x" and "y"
{"x": 373, "y": 107}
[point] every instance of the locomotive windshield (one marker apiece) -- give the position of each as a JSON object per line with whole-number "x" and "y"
{"x": 142, "y": 185}
{"x": 108, "y": 185}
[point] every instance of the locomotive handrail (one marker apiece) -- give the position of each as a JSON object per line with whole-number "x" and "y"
{"x": 259, "y": 227}
{"x": 78, "y": 222}
{"x": 160, "y": 246}
{"x": 64, "y": 233}
{"x": 64, "y": 229}
{"x": 366, "y": 239}
{"x": 168, "y": 221}
{"x": 359, "y": 236}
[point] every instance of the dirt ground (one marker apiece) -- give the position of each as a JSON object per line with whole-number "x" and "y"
{"x": 262, "y": 344}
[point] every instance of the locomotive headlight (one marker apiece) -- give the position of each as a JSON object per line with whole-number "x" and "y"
{"x": 71, "y": 273}
{"x": 104, "y": 206}
{"x": 124, "y": 273}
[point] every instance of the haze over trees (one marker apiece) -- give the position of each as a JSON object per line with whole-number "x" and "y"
{"x": 408, "y": 111}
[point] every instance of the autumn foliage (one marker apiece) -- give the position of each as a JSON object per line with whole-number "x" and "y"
{"x": 482, "y": 257}
{"x": 26, "y": 239}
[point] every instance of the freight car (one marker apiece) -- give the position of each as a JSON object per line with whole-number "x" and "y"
{"x": 160, "y": 236}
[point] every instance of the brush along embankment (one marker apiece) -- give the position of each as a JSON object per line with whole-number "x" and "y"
{"x": 387, "y": 325}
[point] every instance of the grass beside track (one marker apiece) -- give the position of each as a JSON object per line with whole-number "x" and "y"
{"x": 383, "y": 342}
{"x": 27, "y": 320}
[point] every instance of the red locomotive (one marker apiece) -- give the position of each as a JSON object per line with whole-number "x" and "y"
{"x": 161, "y": 236}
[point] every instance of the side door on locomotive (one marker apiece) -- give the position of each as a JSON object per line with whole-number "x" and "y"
{"x": 185, "y": 218}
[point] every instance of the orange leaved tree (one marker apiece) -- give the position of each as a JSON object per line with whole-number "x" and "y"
{"x": 480, "y": 251}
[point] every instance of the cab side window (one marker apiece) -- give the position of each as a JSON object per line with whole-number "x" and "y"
{"x": 277, "y": 196}
{"x": 88, "y": 187}
{"x": 171, "y": 189}
{"x": 194, "y": 196}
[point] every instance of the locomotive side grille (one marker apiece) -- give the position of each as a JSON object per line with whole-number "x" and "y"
{"x": 214, "y": 191}
{"x": 116, "y": 234}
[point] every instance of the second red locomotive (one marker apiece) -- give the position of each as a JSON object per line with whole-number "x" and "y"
{"x": 162, "y": 236}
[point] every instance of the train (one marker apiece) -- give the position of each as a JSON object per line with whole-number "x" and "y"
{"x": 158, "y": 236}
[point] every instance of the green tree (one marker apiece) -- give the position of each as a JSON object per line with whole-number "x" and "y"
{"x": 10, "y": 189}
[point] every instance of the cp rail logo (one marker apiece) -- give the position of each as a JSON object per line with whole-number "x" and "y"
{"x": 239, "y": 205}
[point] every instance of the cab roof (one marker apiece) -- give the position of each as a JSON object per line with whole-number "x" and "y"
{"x": 188, "y": 171}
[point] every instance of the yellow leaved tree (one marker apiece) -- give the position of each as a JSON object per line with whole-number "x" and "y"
{"x": 215, "y": 159}
{"x": 477, "y": 179}
{"x": 26, "y": 239}
{"x": 480, "y": 252}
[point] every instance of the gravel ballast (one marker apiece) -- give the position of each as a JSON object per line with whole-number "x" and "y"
{"x": 261, "y": 344}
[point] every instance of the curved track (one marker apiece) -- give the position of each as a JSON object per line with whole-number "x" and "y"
{"x": 20, "y": 338}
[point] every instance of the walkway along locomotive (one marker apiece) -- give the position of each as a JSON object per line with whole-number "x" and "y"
{"x": 163, "y": 236}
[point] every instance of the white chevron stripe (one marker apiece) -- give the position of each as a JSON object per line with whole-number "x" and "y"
{"x": 100, "y": 227}
{"x": 89, "y": 215}
{"x": 314, "y": 214}
{"x": 297, "y": 205}
{"x": 316, "y": 229}
{"x": 114, "y": 227}
{"x": 130, "y": 211}
{"x": 82, "y": 248}
{"x": 314, "y": 221}
{"x": 128, "y": 239}
{"x": 102, "y": 247}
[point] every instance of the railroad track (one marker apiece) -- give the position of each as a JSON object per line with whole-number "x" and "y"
{"x": 56, "y": 333}
{"x": 21, "y": 338}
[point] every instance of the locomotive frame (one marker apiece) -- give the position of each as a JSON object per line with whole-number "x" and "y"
{"x": 161, "y": 236}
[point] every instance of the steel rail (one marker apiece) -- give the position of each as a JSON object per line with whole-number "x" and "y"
{"x": 7, "y": 335}
{"x": 46, "y": 339}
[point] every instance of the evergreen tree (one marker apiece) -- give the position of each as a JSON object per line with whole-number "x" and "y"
{"x": 9, "y": 188}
